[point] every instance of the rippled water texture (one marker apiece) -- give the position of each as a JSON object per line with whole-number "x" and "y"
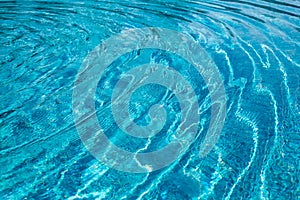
{"x": 255, "y": 47}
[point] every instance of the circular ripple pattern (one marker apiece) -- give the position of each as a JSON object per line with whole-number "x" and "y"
{"x": 153, "y": 38}
{"x": 255, "y": 47}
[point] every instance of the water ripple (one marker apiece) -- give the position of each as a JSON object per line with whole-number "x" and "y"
{"x": 255, "y": 45}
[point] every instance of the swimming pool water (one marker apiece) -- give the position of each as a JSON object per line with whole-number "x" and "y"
{"x": 50, "y": 48}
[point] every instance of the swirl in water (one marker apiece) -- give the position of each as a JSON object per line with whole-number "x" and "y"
{"x": 157, "y": 38}
{"x": 157, "y": 74}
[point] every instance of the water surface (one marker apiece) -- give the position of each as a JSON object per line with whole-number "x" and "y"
{"x": 255, "y": 46}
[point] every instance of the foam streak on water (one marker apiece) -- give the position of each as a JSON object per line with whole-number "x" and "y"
{"x": 255, "y": 47}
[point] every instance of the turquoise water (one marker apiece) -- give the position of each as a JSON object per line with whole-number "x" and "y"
{"x": 247, "y": 49}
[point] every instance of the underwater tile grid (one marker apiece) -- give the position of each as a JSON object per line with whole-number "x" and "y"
{"x": 150, "y": 99}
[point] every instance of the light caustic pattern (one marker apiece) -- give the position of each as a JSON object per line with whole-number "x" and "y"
{"x": 98, "y": 60}
{"x": 47, "y": 45}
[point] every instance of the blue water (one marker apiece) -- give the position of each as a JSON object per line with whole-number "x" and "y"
{"x": 254, "y": 49}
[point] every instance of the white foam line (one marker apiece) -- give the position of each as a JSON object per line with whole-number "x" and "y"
{"x": 254, "y": 127}
{"x": 281, "y": 67}
{"x": 193, "y": 174}
{"x": 262, "y": 179}
{"x": 216, "y": 177}
{"x": 96, "y": 177}
{"x": 255, "y": 140}
{"x": 257, "y": 80}
{"x": 93, "y": 195}
{"x": 256, "y": 76}
{"x": 263, "y": 174}
{"x": 221, "y": 51}
{"x": 135, "y": 186}
{"x": 67, "y": 165}
{"x": 248, "y": 121}
{"x": 155, "y": 183}
{"x": 149, "y": 169}
{"x": 265, "y": 90}
{"x": 265, "y": 65}
{"x": 191, "y": 159}
{"x": 145, "y": 179}
{"x": 266, "y": 54}
{"x": 286, "y": 56}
